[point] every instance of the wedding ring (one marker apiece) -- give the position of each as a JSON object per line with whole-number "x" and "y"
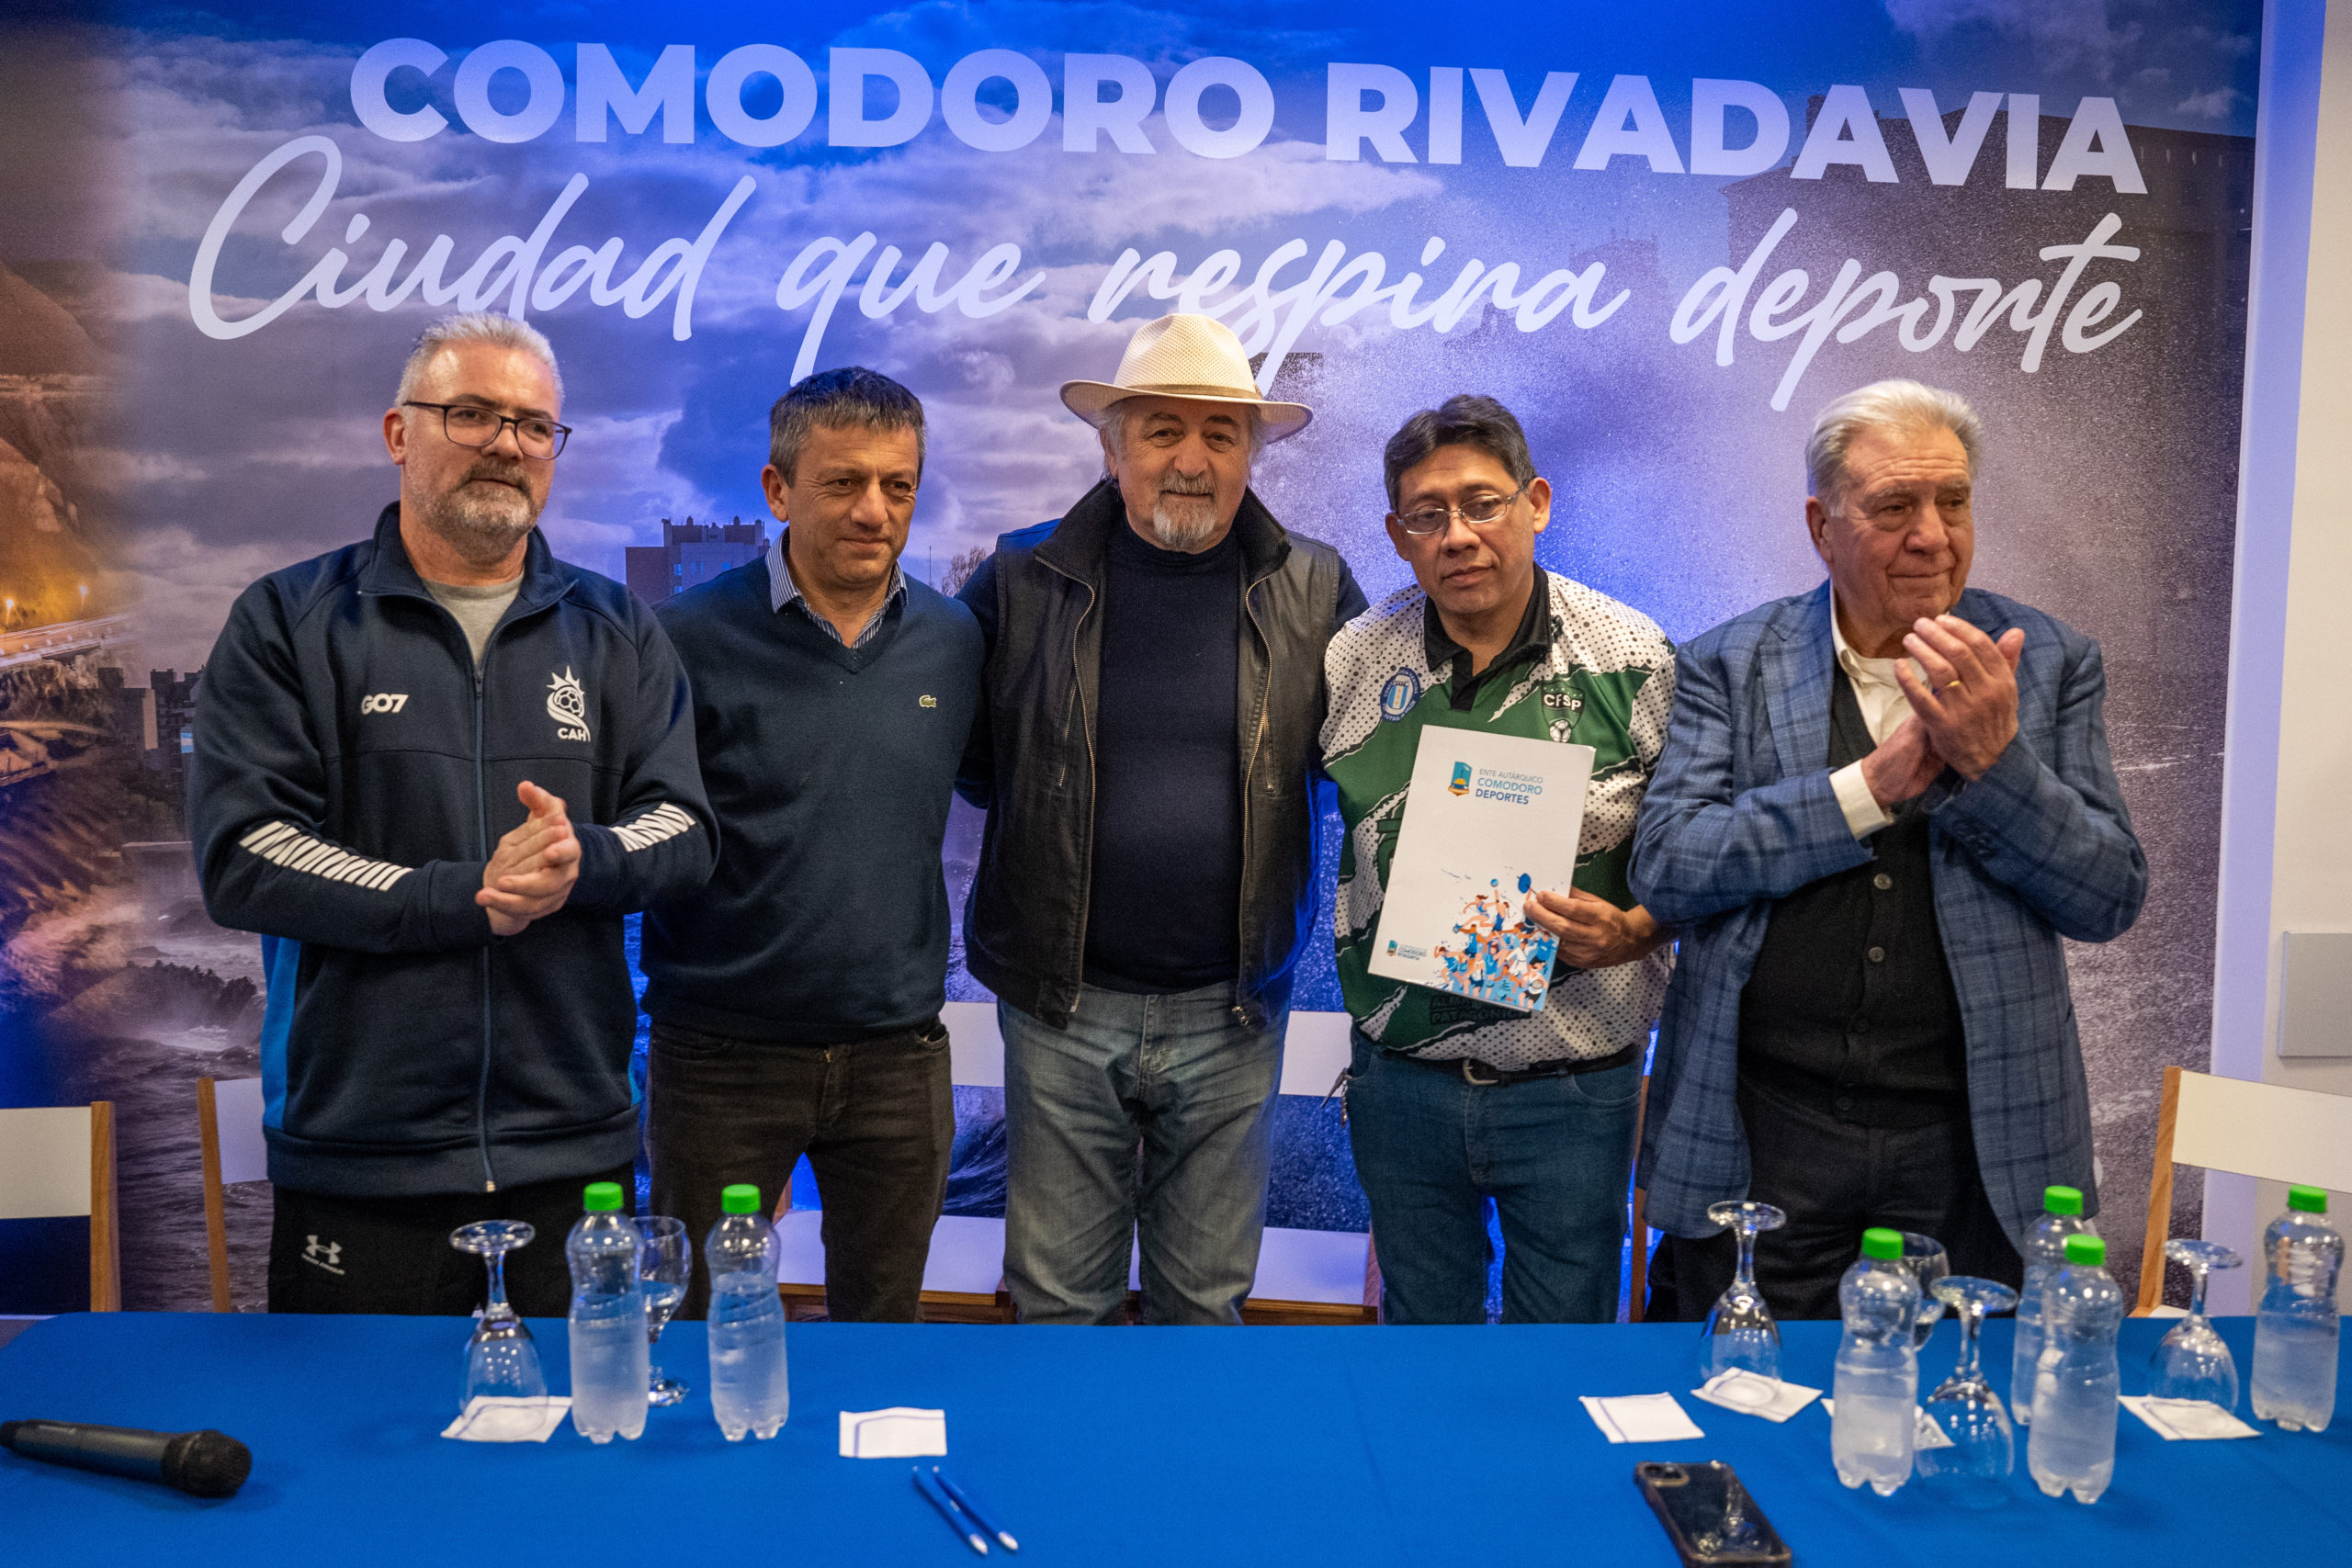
{"x": 1950, "y": 684}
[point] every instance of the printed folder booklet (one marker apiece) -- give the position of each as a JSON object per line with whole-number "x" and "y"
{"x": 1489, "y": 817}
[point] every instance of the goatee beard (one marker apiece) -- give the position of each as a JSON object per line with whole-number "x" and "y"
{"x": 484, "y": 523}
{"x": 1184, "y": 522}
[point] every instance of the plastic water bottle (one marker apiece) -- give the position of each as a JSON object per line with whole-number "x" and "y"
{"x": 2072, "y": 1446}
{"x": 611, "y": 1366}
{"x": 2045, "y": 1256}
{"x": 2295, "y": 1328}
{"x": 749, "y": 1390}
{"x": 1873, "y": 1429}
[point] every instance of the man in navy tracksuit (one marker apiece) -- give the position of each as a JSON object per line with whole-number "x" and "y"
{"x": 434, "y": 770}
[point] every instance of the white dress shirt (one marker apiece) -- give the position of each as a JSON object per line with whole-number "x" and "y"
{"x": 1884, "y": 705}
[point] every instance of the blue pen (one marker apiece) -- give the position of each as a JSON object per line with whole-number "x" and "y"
{"x": 947, "y": 1511}
{"x": 964, "y": 1501}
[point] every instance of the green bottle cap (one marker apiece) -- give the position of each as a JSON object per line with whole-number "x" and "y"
{"x": 601, "y": 1197}
{"x": 2062, "y": 1200}
{"x": 2308, "y": 1199}
{"x": 740, "y": 1199}
{"x": 1882, "y": 1244}
{"x": 2085, "y": 1251}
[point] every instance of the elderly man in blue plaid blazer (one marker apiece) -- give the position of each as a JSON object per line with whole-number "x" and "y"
{"x": 1881, "y": 806}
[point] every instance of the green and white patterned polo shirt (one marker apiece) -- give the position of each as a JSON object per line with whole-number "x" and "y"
{"x": 1606, "y": 682}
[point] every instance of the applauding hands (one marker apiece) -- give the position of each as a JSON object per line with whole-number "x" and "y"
{"x": 531, "y": 872}
{"x": 1963, "y": 714}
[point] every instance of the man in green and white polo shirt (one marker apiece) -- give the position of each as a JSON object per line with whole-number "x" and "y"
{"x": 1452, "y": 1101}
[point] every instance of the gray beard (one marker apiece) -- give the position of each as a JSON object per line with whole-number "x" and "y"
{"x": 1184, "y": 522}
{"x": 482, "y": 526}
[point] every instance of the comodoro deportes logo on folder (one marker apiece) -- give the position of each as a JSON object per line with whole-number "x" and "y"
{"x": 1492, "y": 783}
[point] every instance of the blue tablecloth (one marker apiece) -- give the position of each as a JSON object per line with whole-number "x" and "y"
{"x": 1278, "y": 1445}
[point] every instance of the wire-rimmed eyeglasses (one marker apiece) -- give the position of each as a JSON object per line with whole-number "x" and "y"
{"x": 1478, "y": 511}
{"x": 469, "y": 424}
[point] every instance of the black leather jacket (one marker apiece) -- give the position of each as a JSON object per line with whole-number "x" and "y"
{"x": 1031, "y": 764}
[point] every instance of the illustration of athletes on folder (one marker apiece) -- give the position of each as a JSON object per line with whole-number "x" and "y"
{"x": 1494, "y": 954}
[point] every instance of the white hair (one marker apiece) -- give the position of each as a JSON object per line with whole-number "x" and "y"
{"x": 1883, "y": 405}
{"x": 476, "y": 326}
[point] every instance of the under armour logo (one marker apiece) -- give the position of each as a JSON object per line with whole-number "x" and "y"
{"x": 326, "y": 1254}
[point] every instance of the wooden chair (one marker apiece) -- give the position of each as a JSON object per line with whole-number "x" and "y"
{"x": 1307, "y": 1277}
{"x": 228, "y": 1136}
{"x": 2261, "y": 1130}
{"x": 58, "y": 1162}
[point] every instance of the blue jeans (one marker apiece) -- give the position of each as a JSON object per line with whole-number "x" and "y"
{"x": 1555, "y": 1155}
{"x": 1149, "y": 1118}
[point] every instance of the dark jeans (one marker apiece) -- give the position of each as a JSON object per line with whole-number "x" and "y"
{"x": 877, "y": 1119}
{"x": 1553, "y": 1153}
{"x": 1835, "y": 1178}
{"x": 392, "y": 1254}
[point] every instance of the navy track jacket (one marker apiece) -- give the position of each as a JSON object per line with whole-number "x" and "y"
{"x": 353, "y": 774}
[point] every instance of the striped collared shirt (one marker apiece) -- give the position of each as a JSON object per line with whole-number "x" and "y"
{"x": 783, "y": 591}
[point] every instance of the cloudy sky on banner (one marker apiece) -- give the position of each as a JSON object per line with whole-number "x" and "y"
{"x": 249, "y": 453}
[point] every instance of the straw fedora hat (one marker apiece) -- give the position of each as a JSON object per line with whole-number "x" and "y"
{"x": 1184, "y": 356}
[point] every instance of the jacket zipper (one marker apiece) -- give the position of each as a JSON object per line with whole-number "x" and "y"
{"x": 1086, "y": 726}
{"x": 481, "y": 835}
{"x": 1249, "y": 775}
{"x": 1086, "y": 729}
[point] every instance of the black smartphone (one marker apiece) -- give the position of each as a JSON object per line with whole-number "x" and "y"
{"x": 1708, "y": 1514}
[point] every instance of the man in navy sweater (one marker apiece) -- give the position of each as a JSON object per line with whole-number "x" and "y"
{"x": 796, "y": 999}
{"x": 1147, "y": 878}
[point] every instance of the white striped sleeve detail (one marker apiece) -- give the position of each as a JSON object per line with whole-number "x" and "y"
{"x": 648, "y": 828}
{"x": 281, "y": 843}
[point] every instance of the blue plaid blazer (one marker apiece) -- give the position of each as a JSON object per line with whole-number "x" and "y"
{"x": 1741, "y": 813}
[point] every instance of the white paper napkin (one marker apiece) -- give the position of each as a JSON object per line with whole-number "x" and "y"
{"x": 899, "y": 1432}
{"x": 1753, "y": 1395}
{"x": 1926, "y": 1434}
{"x": 492, "y": 1419}
{"x": 2191, "y": 1420}
{"x": 1641, "y": 1418}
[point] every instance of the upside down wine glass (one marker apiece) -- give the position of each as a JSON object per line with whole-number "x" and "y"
{"x": 1975, "y": 1471}
{"x": 501, "y": 1360}
{"x": 2194, "y": 1362}
{"x": 1739, "y": 1333}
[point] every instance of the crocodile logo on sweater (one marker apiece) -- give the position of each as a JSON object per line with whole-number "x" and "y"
{"x": 567, "y": 705}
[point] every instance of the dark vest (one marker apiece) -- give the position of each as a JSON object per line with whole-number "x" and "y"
{"x": 1851, "y": 1004}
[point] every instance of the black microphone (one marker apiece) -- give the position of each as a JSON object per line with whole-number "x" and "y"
{"x": 204, "y": 1465}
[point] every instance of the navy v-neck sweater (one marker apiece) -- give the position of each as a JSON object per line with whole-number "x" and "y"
{"x": 828, "y": 771}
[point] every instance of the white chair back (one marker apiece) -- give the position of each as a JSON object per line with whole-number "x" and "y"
{"x": 1314, "y": 1051}
{"x": 244, "y": 1153}
{"x": 2264, "y": 1130}
{"x": 45, "y": 1162}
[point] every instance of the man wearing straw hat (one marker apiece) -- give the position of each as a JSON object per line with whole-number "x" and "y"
{"x": 1147, "y": 755}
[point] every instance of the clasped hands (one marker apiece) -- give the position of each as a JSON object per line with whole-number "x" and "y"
{"x": 1963, "y": 714}
{"x": 534, "y": 867}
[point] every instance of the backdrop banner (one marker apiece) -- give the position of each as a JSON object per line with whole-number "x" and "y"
{"x": 1664, "y": 235}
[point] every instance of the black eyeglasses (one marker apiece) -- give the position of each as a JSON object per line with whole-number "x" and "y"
{"x": 469, "y": 425}
{"x": 1478, "y": 511}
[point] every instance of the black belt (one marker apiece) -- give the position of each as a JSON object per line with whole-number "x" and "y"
{"x": 1485, "y": 1075}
